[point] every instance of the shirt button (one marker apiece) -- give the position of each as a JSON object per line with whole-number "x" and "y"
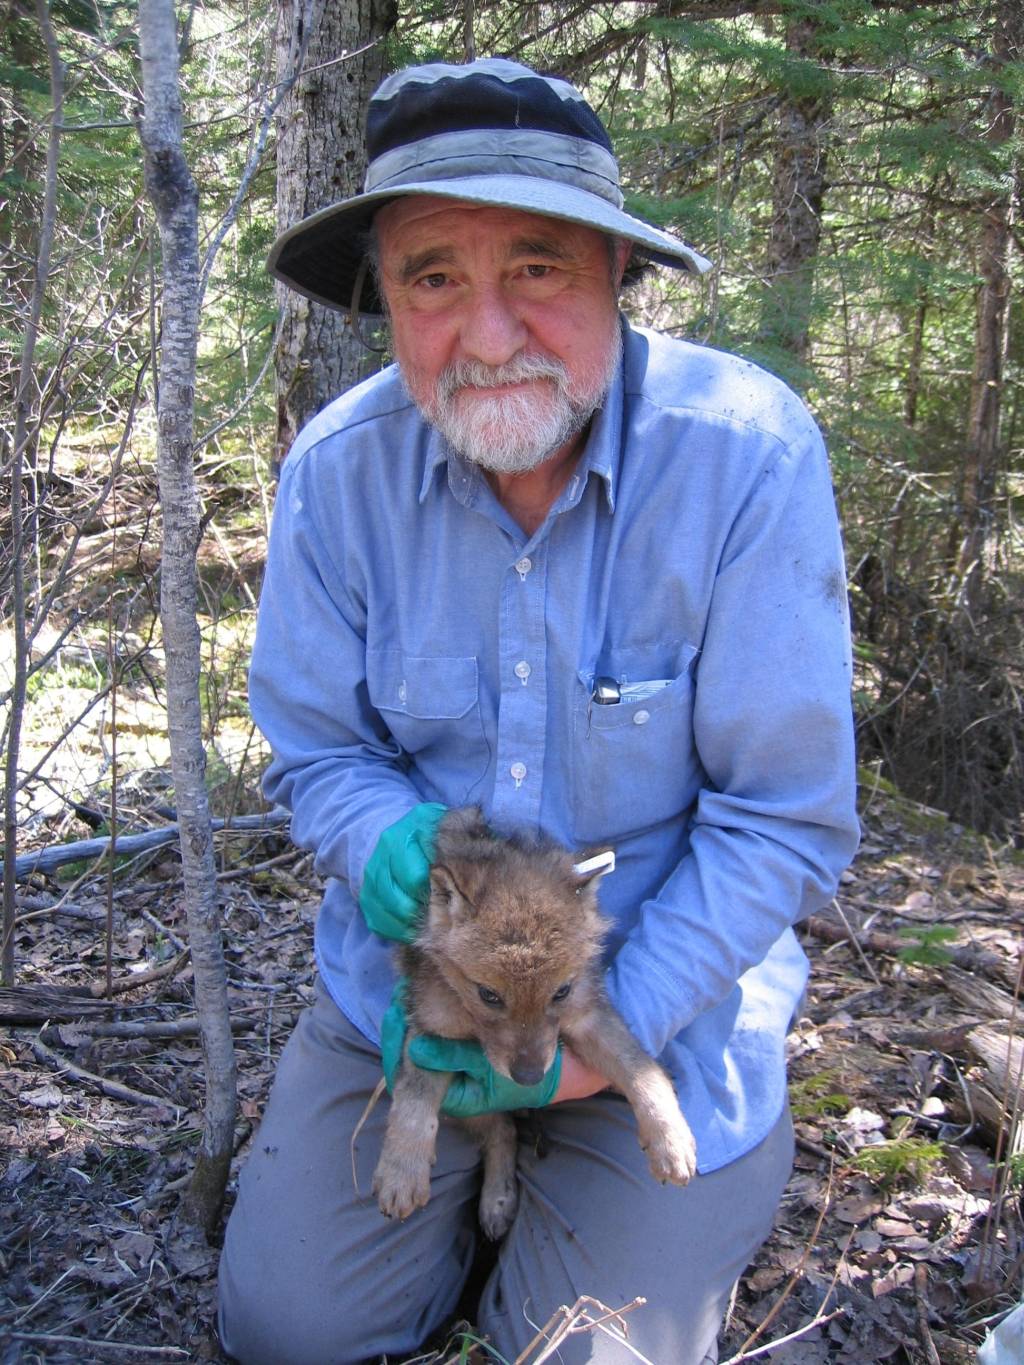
{"x": 641, "y": 717}
{"x": 518, "y": 771}
{"x": 523, "y": 566}
{"x": 522, "y": 670}
{"x": 402, "y": 692}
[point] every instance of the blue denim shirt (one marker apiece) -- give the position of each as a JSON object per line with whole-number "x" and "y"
{"x": 414, "y": 645}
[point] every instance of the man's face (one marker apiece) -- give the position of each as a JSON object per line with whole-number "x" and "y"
{"x": 505, "y": 324}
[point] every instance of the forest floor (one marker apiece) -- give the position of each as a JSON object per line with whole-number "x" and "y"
{"x": 900, "y": 1237}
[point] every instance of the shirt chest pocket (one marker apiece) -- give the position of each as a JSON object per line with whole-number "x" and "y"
{"x": 634, "y": 762}
{"x": 430, "y": 705}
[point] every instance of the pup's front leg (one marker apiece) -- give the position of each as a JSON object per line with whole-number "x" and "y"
{"x": 401, "y": 1181}
{"x": 496, "y": 1134}
{"x": 602, "y": 1040}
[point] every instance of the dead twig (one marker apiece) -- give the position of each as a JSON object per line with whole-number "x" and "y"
{"x": 921, "y": 1296}
{"x": 114, "y": 1089}
{"x": 818, "y": 1320}
{"x": 129, "y": 983}
{"x": 853, "y": 939}
{"x": 773, "y": 1312}
{"x": 565, "y": 1322}
{"x": 162, "y": 928}
{"x": 371, "y": 1104}
{"x": 814, "y": 1148}
{"x": 118, "y": 1347}
{"x": 234, "y": 873}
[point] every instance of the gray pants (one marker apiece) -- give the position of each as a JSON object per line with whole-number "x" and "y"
{"x": 313, "y": 1274}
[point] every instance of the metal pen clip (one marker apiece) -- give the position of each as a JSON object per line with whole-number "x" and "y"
{"x": 607, "y": 692}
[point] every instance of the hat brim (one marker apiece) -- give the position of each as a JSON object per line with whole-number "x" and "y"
{"x": 321, "y": 255}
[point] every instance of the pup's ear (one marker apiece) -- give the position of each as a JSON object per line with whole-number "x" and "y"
{"x": 588, "y": 872}
{"x": 447, "y": 901}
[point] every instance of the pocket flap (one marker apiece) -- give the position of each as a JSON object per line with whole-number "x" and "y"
{"x": 441, "y": 688}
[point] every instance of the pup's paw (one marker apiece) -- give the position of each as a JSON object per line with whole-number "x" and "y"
{"x": 499, "y": 1200}
{"x": 401, "y": 1188}
{"x": 671, "y": 1152}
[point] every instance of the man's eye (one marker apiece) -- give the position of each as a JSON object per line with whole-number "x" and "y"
{"x": 537, "y": 271}
{"x": 437, "y": 281}
{"x": 562, "y": 993}
{"x": 489, "y": 997}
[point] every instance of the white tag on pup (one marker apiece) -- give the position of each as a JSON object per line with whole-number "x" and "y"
{"x": 601, "y": 863}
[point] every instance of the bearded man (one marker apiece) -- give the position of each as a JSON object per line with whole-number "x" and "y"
{"x": 589, "y": 578}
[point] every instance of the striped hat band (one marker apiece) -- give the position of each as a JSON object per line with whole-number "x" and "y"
{"x": 489, "y": 132}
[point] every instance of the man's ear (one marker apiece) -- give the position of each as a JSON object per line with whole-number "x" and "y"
{"x": 447, "y": 903}
{"x": 623, "y": 251}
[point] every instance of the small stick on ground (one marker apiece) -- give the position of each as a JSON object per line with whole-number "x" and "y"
{"x": 162, "y": 928}
{"x": 853, "y": 939}
{"x": 118, "y": 1347}
{"x": 797, "y": 1272}
{"x": 921, "y": 1295}
{"x": 818, "y": 1320}
{"x": 128, "y": 983}
{"x": 114, "y": 1089}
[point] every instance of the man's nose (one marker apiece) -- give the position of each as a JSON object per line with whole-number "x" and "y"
{"x": 492, "y": 330}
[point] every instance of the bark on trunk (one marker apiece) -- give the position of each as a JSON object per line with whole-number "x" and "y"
{"x": 983, "y": 455}
{"x": 321, "y": 158}
{"x": 173, "y": 193}
{"x": 800, "y": 164}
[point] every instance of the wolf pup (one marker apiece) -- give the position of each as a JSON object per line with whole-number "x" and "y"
{"x": 508, "y": 952}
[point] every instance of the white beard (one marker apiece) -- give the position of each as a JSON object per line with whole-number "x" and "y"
{"x": 515, "y": 432}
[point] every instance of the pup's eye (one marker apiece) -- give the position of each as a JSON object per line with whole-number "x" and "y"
{"x": 561, "y": 993}
{"x": 490, "y": 997}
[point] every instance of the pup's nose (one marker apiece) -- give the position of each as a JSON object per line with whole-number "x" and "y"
{"x": 526, "y": 1073}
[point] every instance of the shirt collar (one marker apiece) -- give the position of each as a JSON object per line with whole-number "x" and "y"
{"x": 602, "y": 454}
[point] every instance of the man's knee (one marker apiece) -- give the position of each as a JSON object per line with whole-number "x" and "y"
{"x": 333, "y": 1318}
{"x": 284, "y": 1314}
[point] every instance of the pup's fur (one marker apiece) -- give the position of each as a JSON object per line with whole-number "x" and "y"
{"x": 511, "y": 921}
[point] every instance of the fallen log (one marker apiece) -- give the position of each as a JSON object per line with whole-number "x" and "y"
{"x": 991, "y": 1097}
{"x": 69, "y": 1004}
{"x": 144, "y": 1028}
{"x": 982, "y": 997}
{"x": 50, "y": 1004}
{"x": 968, "y": 958}
{"x": 48, "y": 860}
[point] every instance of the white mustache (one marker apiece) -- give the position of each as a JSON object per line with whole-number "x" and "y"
{"x": 474, "y": 374}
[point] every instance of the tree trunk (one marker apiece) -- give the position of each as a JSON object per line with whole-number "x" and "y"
{"x": 800, "y": 163}
{"x": 26, "y": 426}
{"x": 173, "y": 193}
{"x": 321, "y": 158}
{"x": 983, "y": 455}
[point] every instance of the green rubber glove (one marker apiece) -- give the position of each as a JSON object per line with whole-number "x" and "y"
{"x": 397, "y": 876}
{"x": 476, "y": 1088}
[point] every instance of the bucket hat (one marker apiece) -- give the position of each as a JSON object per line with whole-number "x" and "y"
{"x": 489, "y": 132}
